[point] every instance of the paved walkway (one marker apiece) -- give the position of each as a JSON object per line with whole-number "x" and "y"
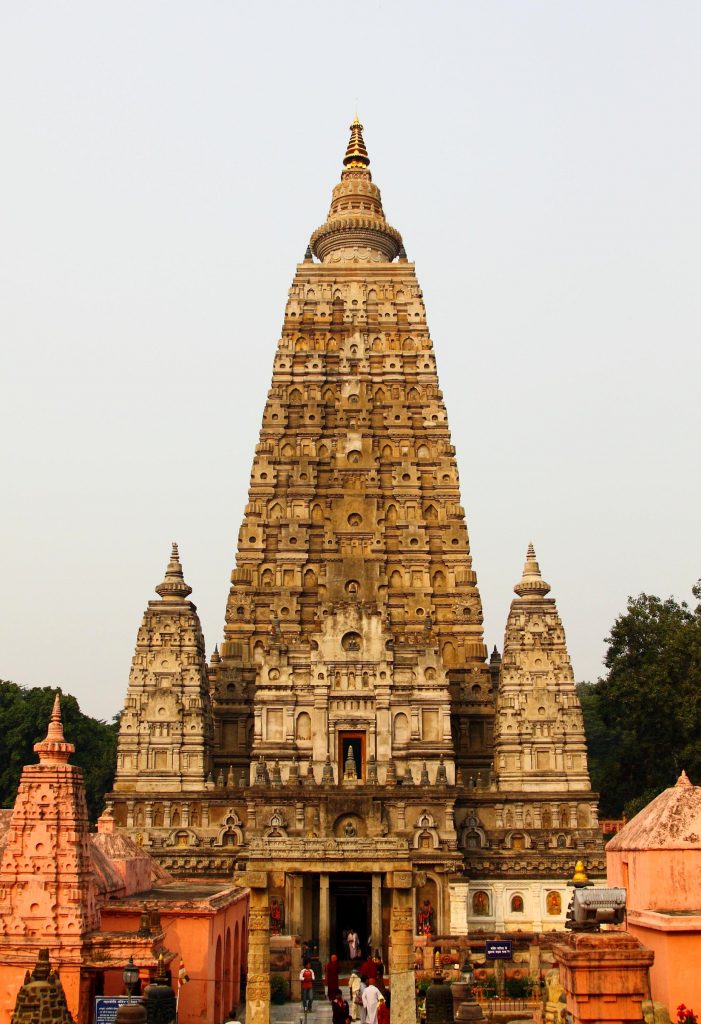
{"x": 292, "y": 1013}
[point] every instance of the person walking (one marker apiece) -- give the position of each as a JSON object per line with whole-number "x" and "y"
{"x": 371, "y": 997}
{"x": 339, "y": 1009}
{"x": 306, "y": 976}
{"x": 331, "y": 978}
{"x": 382, "y": 1011}
{"x": 355, "y": 995}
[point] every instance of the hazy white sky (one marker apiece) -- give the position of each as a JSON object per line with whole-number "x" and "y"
{"x": 162, "y": 167}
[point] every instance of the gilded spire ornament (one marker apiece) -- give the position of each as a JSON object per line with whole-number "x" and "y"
{"x": 356, "y": 153}
{"x": 356, "y": 229}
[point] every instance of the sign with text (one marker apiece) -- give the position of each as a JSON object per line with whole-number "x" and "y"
{"x": 106, "y": 1007}
{"x": 498, "y": 949}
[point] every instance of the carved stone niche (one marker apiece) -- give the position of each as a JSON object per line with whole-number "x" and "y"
{"x": 182, "y": 837}
{"x": 277, "y": 826}
{"x": 425, "y": 833}
{"x": 231, "y": 832}
{"x": 349, "y": 826}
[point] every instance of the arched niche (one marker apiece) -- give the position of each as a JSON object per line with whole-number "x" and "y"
{"x": 400, "y": 728}
{"x": 303, "y": 727}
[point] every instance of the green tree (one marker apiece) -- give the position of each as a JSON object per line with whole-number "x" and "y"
{"x": 24, "y": 718}
{"x": 643, "y": 719}
{"x": 601, "y": 747}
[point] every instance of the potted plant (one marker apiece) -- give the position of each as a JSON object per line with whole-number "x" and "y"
{"x": 279, "y": 989}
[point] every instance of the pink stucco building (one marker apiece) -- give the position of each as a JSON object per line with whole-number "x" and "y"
{"x": 94, "y": 900}
{"x": 657, "y": 858}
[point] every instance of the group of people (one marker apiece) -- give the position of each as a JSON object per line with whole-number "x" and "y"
{"x": 368, "y": 999}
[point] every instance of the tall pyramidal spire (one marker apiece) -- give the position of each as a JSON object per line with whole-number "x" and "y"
{"x": 352, "y": 708}
{"x": 353, "y": 568}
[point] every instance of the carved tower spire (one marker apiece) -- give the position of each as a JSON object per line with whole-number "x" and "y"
{"x": 540, "y": 743}
{"x": 354, "y": 607}
{"x": 48, "y": 897}
{"x": 165, "y": 732}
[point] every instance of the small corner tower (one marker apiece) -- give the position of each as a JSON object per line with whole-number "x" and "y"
{"x": 165, "y": 732}
{"x": 539, "y": 739}
{"x": 48, "y": 897}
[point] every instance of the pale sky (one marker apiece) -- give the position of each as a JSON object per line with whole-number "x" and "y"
{"x": 162, "y": 166}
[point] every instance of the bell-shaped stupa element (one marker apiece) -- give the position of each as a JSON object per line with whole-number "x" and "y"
{"x": 54, "y": 749}
{"x": 531, "y": 583}
{"x": 356, "y": 229}
{"x": 327, "y": 772}
{"x": 174, "y": 587}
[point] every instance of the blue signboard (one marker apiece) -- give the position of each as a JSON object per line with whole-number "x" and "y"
{"x": 106, "y": 1007}
{"x": 498, "y": 949}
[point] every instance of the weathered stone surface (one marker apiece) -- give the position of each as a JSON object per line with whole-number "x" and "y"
{"x": 41, "y": 999}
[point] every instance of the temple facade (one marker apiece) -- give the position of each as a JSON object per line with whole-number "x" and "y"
{"x": 349, "y": 748}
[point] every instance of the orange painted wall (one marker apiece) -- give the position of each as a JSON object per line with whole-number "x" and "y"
{"x": 657, "y": 879}
{"x": 675, "y": 976}
{"x": 212, "y": 945}
{"x": 665, "y": 880}
{"x": 12, "y": 976}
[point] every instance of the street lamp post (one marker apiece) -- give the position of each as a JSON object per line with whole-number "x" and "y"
{"x": 130, "y": 976}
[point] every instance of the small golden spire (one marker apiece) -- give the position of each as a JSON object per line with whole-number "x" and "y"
{"x": 580, "y": 876}
{"x": 356, "y": 153}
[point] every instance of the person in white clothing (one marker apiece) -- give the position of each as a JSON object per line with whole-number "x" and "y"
{"x": 355, "y": 996}
{"x": 353, "y": 944}
{"x": 371, "y": 997}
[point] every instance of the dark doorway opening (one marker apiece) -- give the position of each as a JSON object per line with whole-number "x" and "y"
{"x": 351, "y": 907}
{"x": 354, "y": 741}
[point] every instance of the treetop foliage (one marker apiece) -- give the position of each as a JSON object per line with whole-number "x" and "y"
{"x": 24, "y": 719}
{"x": 643, "y": 719}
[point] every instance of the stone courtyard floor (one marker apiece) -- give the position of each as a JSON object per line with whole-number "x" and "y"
{"x": 292, "y": 1013}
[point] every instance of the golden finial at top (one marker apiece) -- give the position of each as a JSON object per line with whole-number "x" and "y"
{"x": 356, "y": 153}
{"x": 580, "y": 876}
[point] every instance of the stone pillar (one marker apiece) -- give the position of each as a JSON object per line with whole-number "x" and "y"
{"x": 498, "y": 896}
{"x": 295, "y": 926}
{"x": 258, "y": 985}
{"x": 401, "y": 943}
{"x": 295, "y": 969}
{"x": 376, "y": 918}
{"x": 604, "y": 976}
{"x": 458, "y": 893}
{"x": 324, "y": 918}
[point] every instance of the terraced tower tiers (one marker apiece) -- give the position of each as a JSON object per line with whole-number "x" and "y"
{"x": 339, "y": 749}
{"x": 354, "y": 607}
